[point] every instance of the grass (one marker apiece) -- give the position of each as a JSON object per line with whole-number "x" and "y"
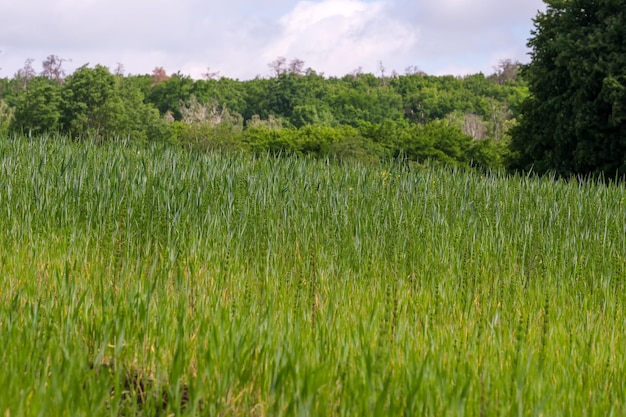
{"x": 154, "y": 281}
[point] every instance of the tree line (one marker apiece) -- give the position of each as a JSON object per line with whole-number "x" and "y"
{"x": 459, "y": 120}
{"x": 563, "y": 113}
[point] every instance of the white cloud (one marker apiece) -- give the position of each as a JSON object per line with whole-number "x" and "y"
{"x": 470, "y": 34}
{"x": 337, "y": 36}
{"x": 239, "y": 38}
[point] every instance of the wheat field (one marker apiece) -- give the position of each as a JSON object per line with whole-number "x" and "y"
{"x": 149, "y": 280}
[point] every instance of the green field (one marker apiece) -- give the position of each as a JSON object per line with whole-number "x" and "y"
{"x": 155, "y": 281}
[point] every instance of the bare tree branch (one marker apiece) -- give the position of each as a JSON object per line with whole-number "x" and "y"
{"x": 278, "y": 66}
{"x": 53, "y": 68}
{"x": 25, "y": 74}
{"x": 119, "y": 69}
{"x": 296, "y": 66}
{"x": 211, "y": 75}
{"x": 159, "y": 75}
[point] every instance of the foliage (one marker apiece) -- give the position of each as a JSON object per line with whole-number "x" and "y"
{"x": 363, "y": 115}
{"x": 574, "y": 122}
{"x": 342, "y": 142}
{"x": 138, "y": 120}
{"x": 97, "y": 104}
{"x": 91, "y": 106}
{"x": 168, "y": 95}
{"x": 207, "y": 126}
{"x": 37, "y": 107}
{"x": 6, "y": 117}
{"x": 359, "y": 101}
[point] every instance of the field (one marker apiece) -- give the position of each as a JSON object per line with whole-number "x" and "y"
{"x": 147, "y": 280}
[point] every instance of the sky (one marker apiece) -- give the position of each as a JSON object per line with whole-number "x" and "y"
{"x": 239, "y": 38}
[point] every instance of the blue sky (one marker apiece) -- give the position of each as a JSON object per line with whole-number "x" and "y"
{"x": 239, "y": 38}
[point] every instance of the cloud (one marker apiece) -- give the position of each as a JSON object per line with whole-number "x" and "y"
{"x": 239, "y": 38}
{"x": 469, "y": 34}
{"x": 337, "y": 36}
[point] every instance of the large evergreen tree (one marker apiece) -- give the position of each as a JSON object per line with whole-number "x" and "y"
{"x": 574, "y": 121}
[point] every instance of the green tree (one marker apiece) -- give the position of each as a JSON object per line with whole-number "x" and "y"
{"x": 4, "y": 86}
{"x": 6, "y": 117}
{"x": 574, "y": 121}
{"x": 354, "y": 99}
{"x": 167, "y": 94}
{"x": 37, "y": 107}
{"x": 225, "y": 91}
{"x": 91, "y": 105}
{"x": 138, "y": 120}
{"x": 98, "y": 104}
{"x": 143, "y": 83}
